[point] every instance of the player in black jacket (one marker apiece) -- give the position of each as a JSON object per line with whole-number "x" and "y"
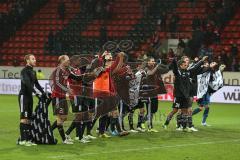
{"x": 182, "y": 87}
{"x": 25, "y": 98}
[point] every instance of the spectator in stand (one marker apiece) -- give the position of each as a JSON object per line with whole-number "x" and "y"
{"x": 40, "y": 74}
{"x": 234, "y": 50}
{"x": 1, "y": 27}
{"x": 144, "y": 6}
{"x": 16, "y": 61}
{"x": 181, "y": 43}
{"x": 225, "y": 59}
{"x": 61, "y": 10}
{"x": 196, "y": 23}
{"x": 181, "y": 47}
{"x": 50, "y": 42}
{"x": 217, "y": 35}
{"x": 99, "y": 10}
{"x": 163, "y": 18}
{"x": 205, "y": 51}
{"x": 220, "y": 60}
{"x": 155, "y": 44}
{"x": 90, "y": 6}
{"x": 173, "y": 23}
{"x": 192, "y": 3}
{"x": 109, "y": 10}
{"x": 103, "y": 35}
{"x": 57, "y": 44}
{"x": 235, "y": 65}
{"x": 171, "y": 54}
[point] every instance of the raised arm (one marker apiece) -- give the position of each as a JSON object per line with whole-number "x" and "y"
{"x": 163, "y": 69}
{"x": 118, "y": 63}
{"x": 153, "y": 71}
{"x": 175, "y": 67}
{"x": 197, "y": 66}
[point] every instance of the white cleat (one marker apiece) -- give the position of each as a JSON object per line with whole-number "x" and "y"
{"x": 86, "y": 138}
{"x": 21, "y": 143}
{"x": 164, "y": 127}
{"x": 187, "y": 130}
{"x": 179, "y": 129}
{"x": 140, "y": 129}
{"x": 68, "y": 138}
{"x": 133, "y": 131}
{"x": 97, "y": 131}
{"x": 24, "y": 143}
{"x": 193, "y": 129}
{"x": 205, "y": 124}
{"x": 83, "y": 140}
{"x": 152, "y": 130}
{"x": 67, "y": 142}
{"x": 32, "y": 144}
{"x": 91, "y": 137}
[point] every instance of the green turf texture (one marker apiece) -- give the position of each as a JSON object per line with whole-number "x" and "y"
{"x": 221, "y": 141}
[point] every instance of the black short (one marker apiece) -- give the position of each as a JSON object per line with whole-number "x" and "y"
{"x": 60, "y": 106}
{"x": 26, "y": 106}
{"x": 81, "y": 104}
{"x": 125, "y": 108}
{"x": 77, "y": 104}
{"x": 180, "y": 102}
{"x": 154, "y": 104}
{"x": 140, "y": 104}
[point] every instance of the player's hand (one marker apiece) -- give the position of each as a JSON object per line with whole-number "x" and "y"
{"x": 105, "y": 53}
{"x": 143, "y": 72}
{"x": 205, "y": 58}
{"x": 196, "y": 59}
{"x": 222, "y": 67}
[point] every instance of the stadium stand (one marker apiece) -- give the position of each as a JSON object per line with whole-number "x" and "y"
{"x": 57, "y": 27}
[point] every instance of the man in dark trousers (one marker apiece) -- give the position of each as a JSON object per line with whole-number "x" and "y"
{"x": 182, "y": 88}
{"x": 61, "y": 10}
{"x": 25, "y": 98}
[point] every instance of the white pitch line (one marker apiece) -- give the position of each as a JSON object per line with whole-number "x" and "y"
{"x": 145, "y": 148}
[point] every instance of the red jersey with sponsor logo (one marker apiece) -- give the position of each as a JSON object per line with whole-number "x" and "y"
{"x": 75, "y": 86}
{"x": 59, "y": 82}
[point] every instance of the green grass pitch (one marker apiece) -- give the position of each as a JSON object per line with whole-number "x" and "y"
{"x": 221, "y": 141}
